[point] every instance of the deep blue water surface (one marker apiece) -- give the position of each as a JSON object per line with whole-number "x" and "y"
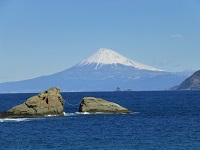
{"x": 162, "y": 121}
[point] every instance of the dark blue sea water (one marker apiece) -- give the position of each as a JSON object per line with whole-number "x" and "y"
{"x": 162, "y": 121}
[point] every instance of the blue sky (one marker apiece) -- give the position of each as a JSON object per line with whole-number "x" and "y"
{"x": 43, "y": 37}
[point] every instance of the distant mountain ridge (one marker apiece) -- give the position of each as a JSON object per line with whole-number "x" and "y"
{"x": 105, "y": 70}
{"x": 191, "y": 83}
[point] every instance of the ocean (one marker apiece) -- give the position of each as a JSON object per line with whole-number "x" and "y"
{"x": 162, "y": 120}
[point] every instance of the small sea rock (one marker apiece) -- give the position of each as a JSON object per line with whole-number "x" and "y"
{"x": 93, "y": 105}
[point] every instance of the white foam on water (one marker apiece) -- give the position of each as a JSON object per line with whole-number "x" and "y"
{"x": 14, "y": 119}
{"x": 87, "y": 113}
{"x": 76, "y": 113}
{"x": 68, "y": 114}
{"x": 83, "y": 113}
{"x": 99, "y": 113}
{"x": 51, "y": 115}
{"x": 64, "y": 113}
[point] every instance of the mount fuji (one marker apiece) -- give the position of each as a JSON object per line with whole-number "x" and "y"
{"x": 110, "y": 57}
{"x": 105, "y": 70}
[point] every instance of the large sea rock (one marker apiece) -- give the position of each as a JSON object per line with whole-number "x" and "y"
{"x": 49, "y": 102}
{"x": 93, "y": 105}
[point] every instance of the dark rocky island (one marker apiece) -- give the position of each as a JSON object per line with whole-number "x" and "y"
{"x": 118, "y": 89}
{"x": 49, "y": 102}
{"x": 94, "y": 105}
{"x": 191, "y": 83}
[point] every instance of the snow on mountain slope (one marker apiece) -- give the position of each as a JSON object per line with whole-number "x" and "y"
{"x": 110, "y": 57}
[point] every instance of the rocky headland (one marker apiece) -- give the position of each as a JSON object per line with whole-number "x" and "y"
{"x": 49, "y": 102}
{"x": 191, "y": 83}
{"x": 94, "y": 105}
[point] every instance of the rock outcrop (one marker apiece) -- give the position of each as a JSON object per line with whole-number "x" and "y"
{"x": 93, "y": 105}
{"x": 49, "y": 102}
{"x": 191, "y": 83}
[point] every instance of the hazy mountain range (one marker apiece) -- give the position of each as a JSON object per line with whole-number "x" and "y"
{"x": 105, "y": 70}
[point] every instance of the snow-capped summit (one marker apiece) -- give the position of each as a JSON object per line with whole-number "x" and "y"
{"x": 109, "y": 57}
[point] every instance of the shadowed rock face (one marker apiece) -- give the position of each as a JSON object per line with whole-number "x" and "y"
{"x": 191, "y": 83}
{"x": 93, "y": 105}
{"x": 49, "y": 102}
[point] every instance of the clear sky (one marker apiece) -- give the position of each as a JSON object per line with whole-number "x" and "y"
{"x": 42, "y": 37}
